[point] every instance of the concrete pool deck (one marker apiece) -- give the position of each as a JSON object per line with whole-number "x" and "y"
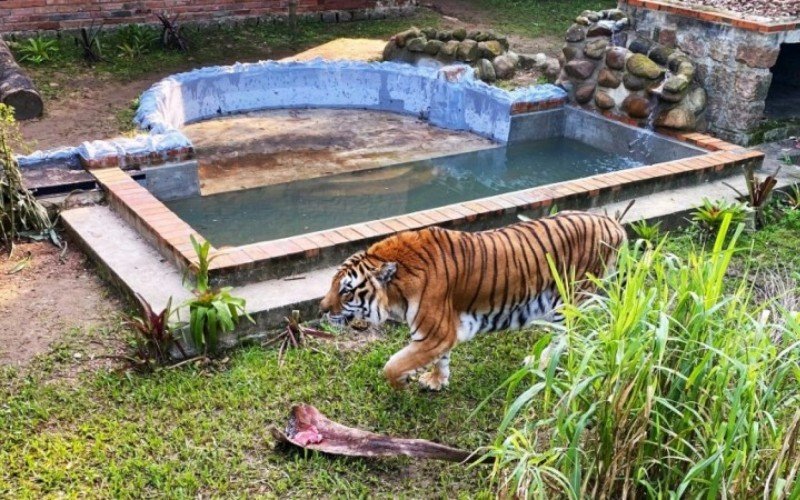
{"x": 135, "y": 266}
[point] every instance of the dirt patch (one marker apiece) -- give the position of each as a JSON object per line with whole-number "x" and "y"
{"x": 49, "y": 299}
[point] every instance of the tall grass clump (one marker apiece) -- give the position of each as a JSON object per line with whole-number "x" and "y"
{"x": 673, "y": 385}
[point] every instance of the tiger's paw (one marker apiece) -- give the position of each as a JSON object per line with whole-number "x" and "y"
{"x": 433, "y": 381}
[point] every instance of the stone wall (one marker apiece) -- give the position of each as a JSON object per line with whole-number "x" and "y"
{"x": 486, "y": 51}
{"x": 608, "y": 68}
{"x": 38, "y": 15}
{"x": 733, "y": 65}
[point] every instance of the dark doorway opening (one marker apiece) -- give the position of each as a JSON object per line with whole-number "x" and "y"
{"x": 783, "y": 99}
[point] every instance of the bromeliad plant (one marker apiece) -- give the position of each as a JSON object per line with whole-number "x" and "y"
{"x": 155, "y": 336}
{"x": 37, "y": 50}
{"x": 213, "y": 311}
{"x": 759, "y": 193}
{"x": 710, "y": 215}
{"x": 667, "y": 383}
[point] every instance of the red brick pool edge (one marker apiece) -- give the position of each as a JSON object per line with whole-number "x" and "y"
{"x": 270, "y": 259}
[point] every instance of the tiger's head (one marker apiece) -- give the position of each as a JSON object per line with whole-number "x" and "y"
{"x": 360, "y": 291}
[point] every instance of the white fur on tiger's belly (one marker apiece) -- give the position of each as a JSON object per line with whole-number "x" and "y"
{"x": 510, "y": 318}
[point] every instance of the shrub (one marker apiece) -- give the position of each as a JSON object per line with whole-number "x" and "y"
{"x": 38, "y": 50}
{"x": 666, "y": 387}
{"x": 212, "y": 311}
{"x": 20, "y": 212}
{"x": 710, "y": 214}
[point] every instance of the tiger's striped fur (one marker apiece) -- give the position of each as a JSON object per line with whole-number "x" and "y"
{"x": 451, "y": 285}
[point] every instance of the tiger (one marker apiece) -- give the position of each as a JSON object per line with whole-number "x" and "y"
{"x": 449, "y": 285}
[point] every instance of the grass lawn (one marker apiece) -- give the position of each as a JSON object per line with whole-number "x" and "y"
{"x": 193, "y": 430}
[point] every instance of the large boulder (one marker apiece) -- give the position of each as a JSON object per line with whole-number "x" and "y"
{"x": 596, "y": 48}
{"x": 449, "y": 49}
{"x": 576, "y": 33}
{"x": 530, "y": 61}
{"x": 678, "y": 118}
{"x": 432, "y": 47}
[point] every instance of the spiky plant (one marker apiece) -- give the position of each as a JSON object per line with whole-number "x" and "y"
{"x": 20, "y": 212}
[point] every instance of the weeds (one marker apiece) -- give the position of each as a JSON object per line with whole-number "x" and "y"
{"x": 668, "y": 386}
{"x": 759, "y": 194}
{"x": 37, "y": 50}
{"x": 172, "y": 34}
{"x": 20, "y": 212}
{"x": 135, "y": 41}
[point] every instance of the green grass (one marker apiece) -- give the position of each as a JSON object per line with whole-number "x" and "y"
{"x": 188, "y": 431}
{"x": 205, "y": 431}
{"x": 535, "y": 18}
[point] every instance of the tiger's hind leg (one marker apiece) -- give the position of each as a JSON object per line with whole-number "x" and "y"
{"x": 439, "y": 376}
{"x": 416, "y": 356}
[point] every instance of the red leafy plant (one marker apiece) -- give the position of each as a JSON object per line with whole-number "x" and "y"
{"x": 154, "y": 336}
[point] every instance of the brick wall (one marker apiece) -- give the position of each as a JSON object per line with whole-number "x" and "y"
{"x": 32, "y": 15}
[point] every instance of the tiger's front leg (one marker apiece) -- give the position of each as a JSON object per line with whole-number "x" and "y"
{"x": 439, "y": 376}
{"x": 417, "y": 355}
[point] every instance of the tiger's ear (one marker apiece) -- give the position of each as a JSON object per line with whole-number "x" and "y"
{"x": 386, "y": 272}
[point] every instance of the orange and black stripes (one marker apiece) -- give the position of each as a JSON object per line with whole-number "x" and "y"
{"x": 450, "y": 285}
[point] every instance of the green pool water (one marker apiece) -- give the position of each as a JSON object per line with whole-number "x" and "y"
{"x": 282, "y": 210}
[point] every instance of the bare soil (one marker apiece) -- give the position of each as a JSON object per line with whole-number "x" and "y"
{"x": 46, "y": 299}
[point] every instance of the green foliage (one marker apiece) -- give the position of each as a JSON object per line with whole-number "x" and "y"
{"x": 793, "y": 197}
{"x": 671, "y": 386}
{"x": 20, "y": 212}
{"x": 154, "y": 335}
{"x": 650, "y": 233}
{"x": 37, "y": 50}
{"x": 710, "y": 215}
{"x": 213, "y": 311}
{"x": 135, "y": 41}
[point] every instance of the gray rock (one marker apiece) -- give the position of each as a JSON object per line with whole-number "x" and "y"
{"x": 678, "y": 118}
{"x": 459, "y": 34}
{"x": 416, "y": 44}
{"x": 503, "y": 40}
{"x": 467, "y": 50}
{"x": 504, "y": 67}
{"x": 608, "y": 78}
{"x": 432, "y": 47}
{"x": 596, "y": 48}
{"x": 660, "y": 54}
{"x": 404, "y": 36}
{"x": 345, "y": 16}
{"x": 485, "y": 70}
{"x": 551, "y": 69}
{"x": 676, "y": 84}
{"x": 583, "y": 21}
{"x": 603, "y": 100}
{"x": 430, "y": 33}
{"x": 640, "y": 65}
{"x": 640, "y": 45}
{"x": 513, "y": 56}
{"x": 449, "y": 49}
{"x": 575, "y": 33}
{"x": 445, "y": 35}
{"x": 590, "y": 15}
{"x": 489, "y": 49}
{"x": 473, "y": 34}
{"x": 614, "y": 14}
{"x": 633, "y": 82}
{"x": 390, "y": 51}
{"x": 580, "y": 68}
{"x": 329, "y": 17}
{"x": 570, "y": 52}
{"x": 615, "y": 57}
{"x": 602, "y": 28}
{"x": 695, "y": 100}
{"x": 529, "y": 61}
{"x": 584, "y": 93}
